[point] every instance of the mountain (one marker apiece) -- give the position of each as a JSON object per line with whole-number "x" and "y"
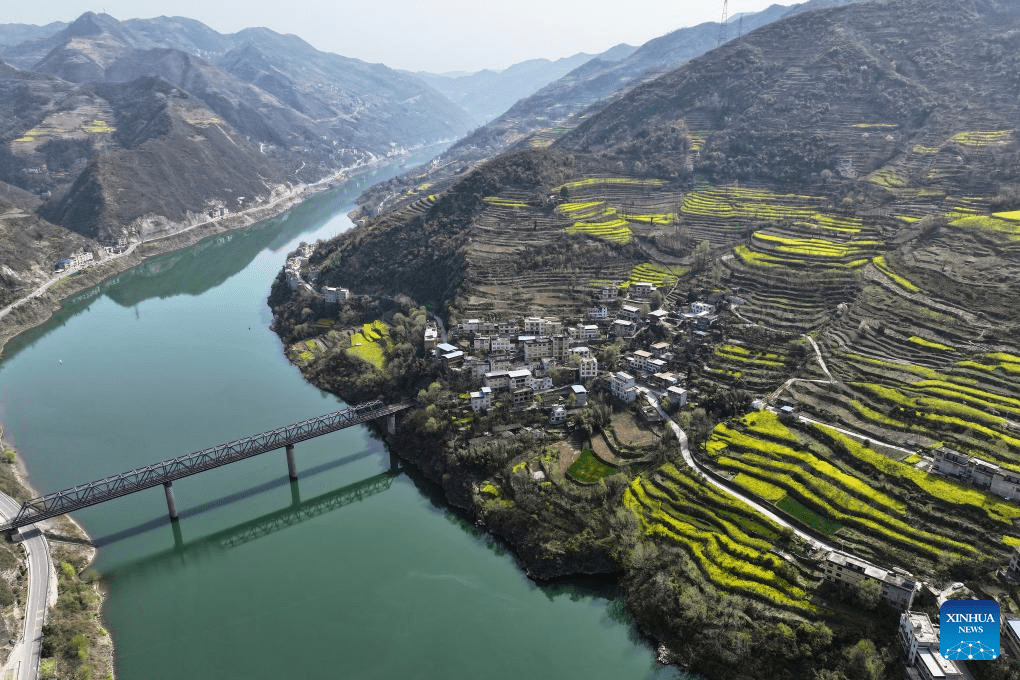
{"x": 16, "y": 34}
{"x": 843, "y": 187}
{"x": 91, "y": 95}
{"x": 864, "y": 100}
{"x": 847, "y": 105}
{"x": 597, "y": 80}
{"x": 543, "y": 116}
{"x": 487, "y": 94}
{"x": 149, "y": 126}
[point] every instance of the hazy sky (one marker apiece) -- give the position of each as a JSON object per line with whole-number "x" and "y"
{"x": 432, "y": 35}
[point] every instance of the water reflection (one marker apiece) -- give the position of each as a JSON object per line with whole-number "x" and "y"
{"x": 213, "y": 260}
{"x": 229, "y": 499}
{"x": 255, "y": 529}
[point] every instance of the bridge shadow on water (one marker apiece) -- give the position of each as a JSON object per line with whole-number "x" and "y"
{"x": 297, "y": 512}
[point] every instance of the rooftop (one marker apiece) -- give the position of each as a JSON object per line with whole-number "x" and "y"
{"x": 923, "y": 630}
{"x": 904, "y": 580}
{"x": 937, "y": 666}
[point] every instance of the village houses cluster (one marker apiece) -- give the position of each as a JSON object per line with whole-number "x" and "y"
{"x": 514, "y": 360}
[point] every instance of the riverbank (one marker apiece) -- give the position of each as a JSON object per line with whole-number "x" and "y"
{"x": 38, "y": 306}
{"x": 75, "y": 643}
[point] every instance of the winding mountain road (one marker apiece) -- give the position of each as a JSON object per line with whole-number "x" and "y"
{"x": 23, "y": 663}
{"x": 693, "y": 464}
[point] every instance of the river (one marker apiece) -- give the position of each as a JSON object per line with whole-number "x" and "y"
{"x": 349, "y": 573}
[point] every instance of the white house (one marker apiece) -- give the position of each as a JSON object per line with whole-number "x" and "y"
{"x": 333, "y": 294}
{"x": 897, "y": 588}
{"x": 589, "y": 368}
{"x": 980, "y": 473}
{"x": 658, "y": 316}
{"x": 431, "y": 337}
{"x": 497, "y": 380}
{"x": 590, "y": 332}
{"x": 702, "y": 308}
{"x": 533, "y": 325}
{"x": 559, "y": 416}
{"x": 538, "y": 348}
{"x": 660, "y": 349}
{"x": 677, "y": 396}
{"x": 624, "y": 329}
{"x": 640, "y": 290}
{"x": 544, "y": 383}
{"x": 481, "y": 400}
{"x": 82, "y": 258}
{"x": 920, "y": 641}
{"x": 623, "y": 387}
{"x": 500, "y": 344}
{"x": 630, "y": 313}
{"x": 640, "y": 359}
{"x": 598, "y": 312}
{"x": 519, "y": 378}
{"x": 580, "y": 395}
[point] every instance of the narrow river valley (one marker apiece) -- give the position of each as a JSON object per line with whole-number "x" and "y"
{"x": 348, "y": 573}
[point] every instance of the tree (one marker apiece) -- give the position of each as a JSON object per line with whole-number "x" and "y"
{"x": 701, "y": 255}
{"x": 868, "y": 592}
{"x": 863, "y": 661}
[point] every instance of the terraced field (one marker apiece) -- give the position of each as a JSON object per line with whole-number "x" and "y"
{"x": 849, "y": 489}
{"x": 748, "y": 367}
{"x": 526, "y": 260}
{"x": 370, "y": 343}
{"x": 731, "y": 544}
{"x": 656, "y": 274}
{"x": 797, "y": 260}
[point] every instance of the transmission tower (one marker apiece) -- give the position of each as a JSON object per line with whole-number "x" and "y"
{"x": 722, "y": 24}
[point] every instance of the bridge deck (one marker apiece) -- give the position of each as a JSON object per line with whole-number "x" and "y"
{"x": 108, "y": 488}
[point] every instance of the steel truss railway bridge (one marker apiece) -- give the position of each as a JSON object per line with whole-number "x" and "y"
{"x": 165, "y": 472}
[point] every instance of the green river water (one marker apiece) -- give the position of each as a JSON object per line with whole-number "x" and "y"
{"x": 349, "y": 573}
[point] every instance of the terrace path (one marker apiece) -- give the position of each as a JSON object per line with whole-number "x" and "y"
{"x": 689, "y": 459}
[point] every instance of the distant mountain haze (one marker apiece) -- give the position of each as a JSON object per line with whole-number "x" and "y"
{"x": 538, "y": 119}
{"x": 486, "y": 94}
{"x": 109, "y": 122}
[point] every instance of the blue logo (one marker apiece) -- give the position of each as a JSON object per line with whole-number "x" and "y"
{"x": 969, "y": 630}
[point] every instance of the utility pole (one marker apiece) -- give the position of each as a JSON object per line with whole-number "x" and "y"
{"x": 722, "y": 24}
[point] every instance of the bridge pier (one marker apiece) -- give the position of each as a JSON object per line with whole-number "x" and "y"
{"x": 391, "y": 424}
{"x": 291, "y": 466}
{"x": 394, "y": 462}
{"x": 171, "y": 504}
{"x": 175, "y": 526}
{"x": 295, "y": 492}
